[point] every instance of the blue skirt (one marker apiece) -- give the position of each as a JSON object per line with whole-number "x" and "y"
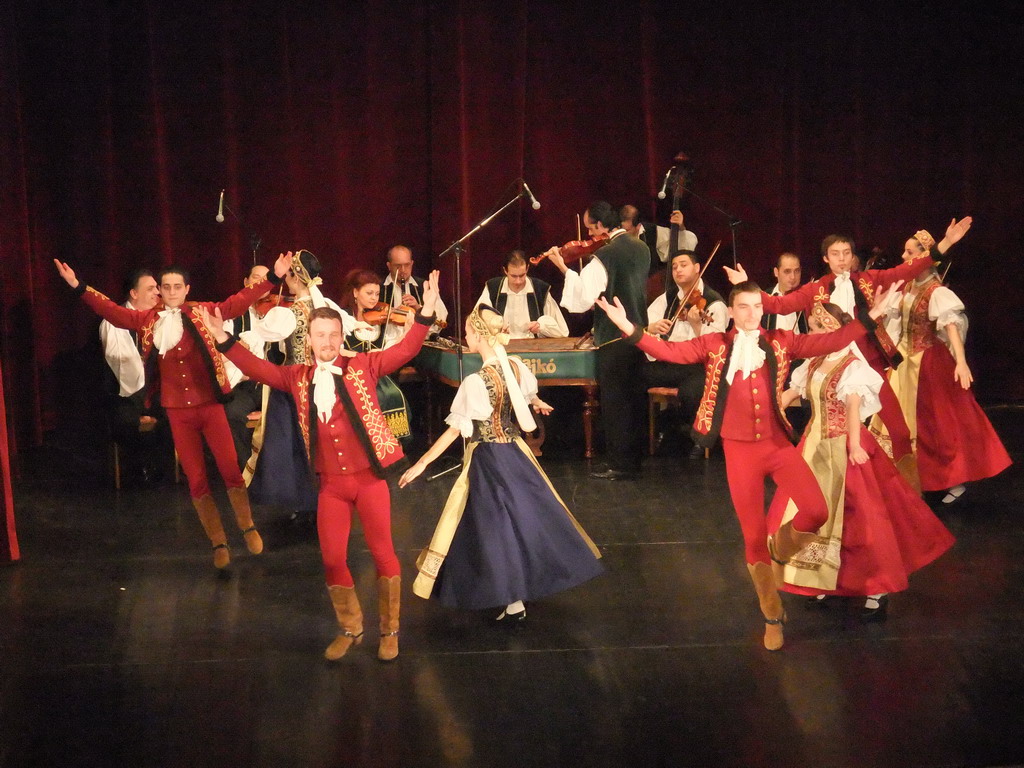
{"x": 515, "y": 540}
{"x": 282, "y": 475}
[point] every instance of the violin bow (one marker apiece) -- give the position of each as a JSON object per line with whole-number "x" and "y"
{"x": 693, "y": 287}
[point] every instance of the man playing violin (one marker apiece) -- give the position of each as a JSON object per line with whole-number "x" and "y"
{"x": 678, "y": 315}
{"x": 409, "y": 293}
{"x": 617, "y": 271}
{"x": 526, "y": 303}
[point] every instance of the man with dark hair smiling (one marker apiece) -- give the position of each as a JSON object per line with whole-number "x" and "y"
{"x": 180, "y": 352}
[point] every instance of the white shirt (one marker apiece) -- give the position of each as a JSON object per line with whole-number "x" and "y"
{"x": 859, "y": 378}
{"x": 687, "y": 242}
{"x": 582, "y": 288}
{"x": 123, "y": 357}
{"x": 473, "y": 403}
{"x": 395, "y": 333}
{"x": 788, "y": 322}
{"x": 682, "y": 330}
{"x": 517, "y": 312}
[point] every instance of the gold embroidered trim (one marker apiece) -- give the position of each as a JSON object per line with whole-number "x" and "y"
{"x": 384, "y": 443}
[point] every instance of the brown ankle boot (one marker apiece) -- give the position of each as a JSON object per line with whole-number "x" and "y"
{"x": 239, "y": 498}
{"x": 787, "y": 541}
{"x": 388, "y": 601}
{"x": 771, "y": 604}
{"x": 350, "y": 619}
{"x": 209, "y": 516}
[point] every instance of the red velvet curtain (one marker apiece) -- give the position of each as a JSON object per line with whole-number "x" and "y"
{"x": 346, "y": 128}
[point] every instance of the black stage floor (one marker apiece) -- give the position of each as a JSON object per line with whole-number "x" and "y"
{"x": 121, "y": 646}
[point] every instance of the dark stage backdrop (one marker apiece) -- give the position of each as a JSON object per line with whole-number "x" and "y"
{"x": 347, "y": 127}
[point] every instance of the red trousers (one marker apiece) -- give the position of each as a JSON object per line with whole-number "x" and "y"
{"x": 188, "y": 428}
{"x": 747, "y": 464}
{"x": 369, "y": 496}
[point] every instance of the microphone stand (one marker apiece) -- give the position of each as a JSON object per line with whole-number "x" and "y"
{"x": 255, "y": 241}
{"x": 733, "y": 221}
{"x": 457, "y": 249}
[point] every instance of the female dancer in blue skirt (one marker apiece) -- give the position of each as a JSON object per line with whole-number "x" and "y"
{"x": 504, "y": 536}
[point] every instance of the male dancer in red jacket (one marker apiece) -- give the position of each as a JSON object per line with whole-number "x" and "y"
{"x": 193, "y": 386}
{"x": 349, "y": 445}
{"x": 745, "y": 370}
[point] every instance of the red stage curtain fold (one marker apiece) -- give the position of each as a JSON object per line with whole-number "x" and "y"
{"x": 347, "y": 128}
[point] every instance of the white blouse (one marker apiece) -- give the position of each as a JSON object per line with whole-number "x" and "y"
{"x": 859, "y": 378}
{"x": 472, "y": 402}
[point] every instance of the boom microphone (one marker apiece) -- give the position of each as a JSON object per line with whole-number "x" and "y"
{"x": 664, "y": 184}
{"x": 220, "y": 209}
{"x": 534, "y": 203}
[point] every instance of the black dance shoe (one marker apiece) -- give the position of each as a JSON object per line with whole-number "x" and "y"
{"x": 820, "y": 602}
{"x": 511, "y": 619}
{"x": 876, "y": 614}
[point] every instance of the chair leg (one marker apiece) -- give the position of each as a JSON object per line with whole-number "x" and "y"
{"x": 117, "y": 467}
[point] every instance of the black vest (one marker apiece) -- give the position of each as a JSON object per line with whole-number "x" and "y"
{"x": 626, "y": 260}
{"x": 499, "y": 299}
{"x": 771, "y": 322}
{"x": 387, "y": 292}
{"x": 672, "y": 299}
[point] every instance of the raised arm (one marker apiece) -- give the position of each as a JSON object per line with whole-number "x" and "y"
{"x": 236, "y": 305}
{"x": 115, "y": 314}
{"x": 391, "y": 359}
{"x": 276, "y": 376}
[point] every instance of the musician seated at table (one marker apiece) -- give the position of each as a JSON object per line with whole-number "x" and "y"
{"x": 526, "y": 303}
{"x": 665, "y": 319}
{"x": 401, "y": 288}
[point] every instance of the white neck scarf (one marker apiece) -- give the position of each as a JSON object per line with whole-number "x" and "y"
{"x": 747, "y": 356}
{"x": 168, "y": 330}
{"x": 842, "y": 293}
{"x": 324, "y": 393}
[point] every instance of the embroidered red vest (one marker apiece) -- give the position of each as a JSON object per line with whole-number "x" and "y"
{"x": 708, "y": 423}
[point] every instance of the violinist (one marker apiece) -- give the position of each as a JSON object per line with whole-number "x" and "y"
{"x": 361, "y": 298}
{"x": 686, "y": 310}
{"x": 526, "y": 303}
{"x": 617, "y": 270}
{"x": 409, "y": 293}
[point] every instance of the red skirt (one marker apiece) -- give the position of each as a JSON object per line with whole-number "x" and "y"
{"x": 888, "y": 531}
{"x": 955, "y": 440}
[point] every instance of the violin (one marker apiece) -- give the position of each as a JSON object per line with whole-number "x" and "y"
{"x": 692, "y": 299}
{"x": 384, "y": 313}
{"x": 271, "y": 300}
{"x": 575, "y": 250}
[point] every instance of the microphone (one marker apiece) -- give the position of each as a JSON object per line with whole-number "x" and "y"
{"x": 220, "y": 209}
{"x": 534, "y": 203}
{"x": 664, "y": 184}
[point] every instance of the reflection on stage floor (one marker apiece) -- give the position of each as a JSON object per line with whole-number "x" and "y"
{"x": 122, "y": 646}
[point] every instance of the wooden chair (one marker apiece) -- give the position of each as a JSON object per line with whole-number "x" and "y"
{"x": 657, "y": 397}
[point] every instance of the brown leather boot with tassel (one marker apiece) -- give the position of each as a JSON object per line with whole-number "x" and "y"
{"x": 239, "y": 498}
{"x": 209, "y": 516}
{"x": 350, "y": 619}
{"x": 771, "y": 604}
{"x": 388, "y": 601}
{"x": 787, "y": 541}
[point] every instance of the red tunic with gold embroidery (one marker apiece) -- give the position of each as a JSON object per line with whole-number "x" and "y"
{"x": 192, "y": 372}
{"x": 356, "y": 436}
{"x": 753, "y": 412}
